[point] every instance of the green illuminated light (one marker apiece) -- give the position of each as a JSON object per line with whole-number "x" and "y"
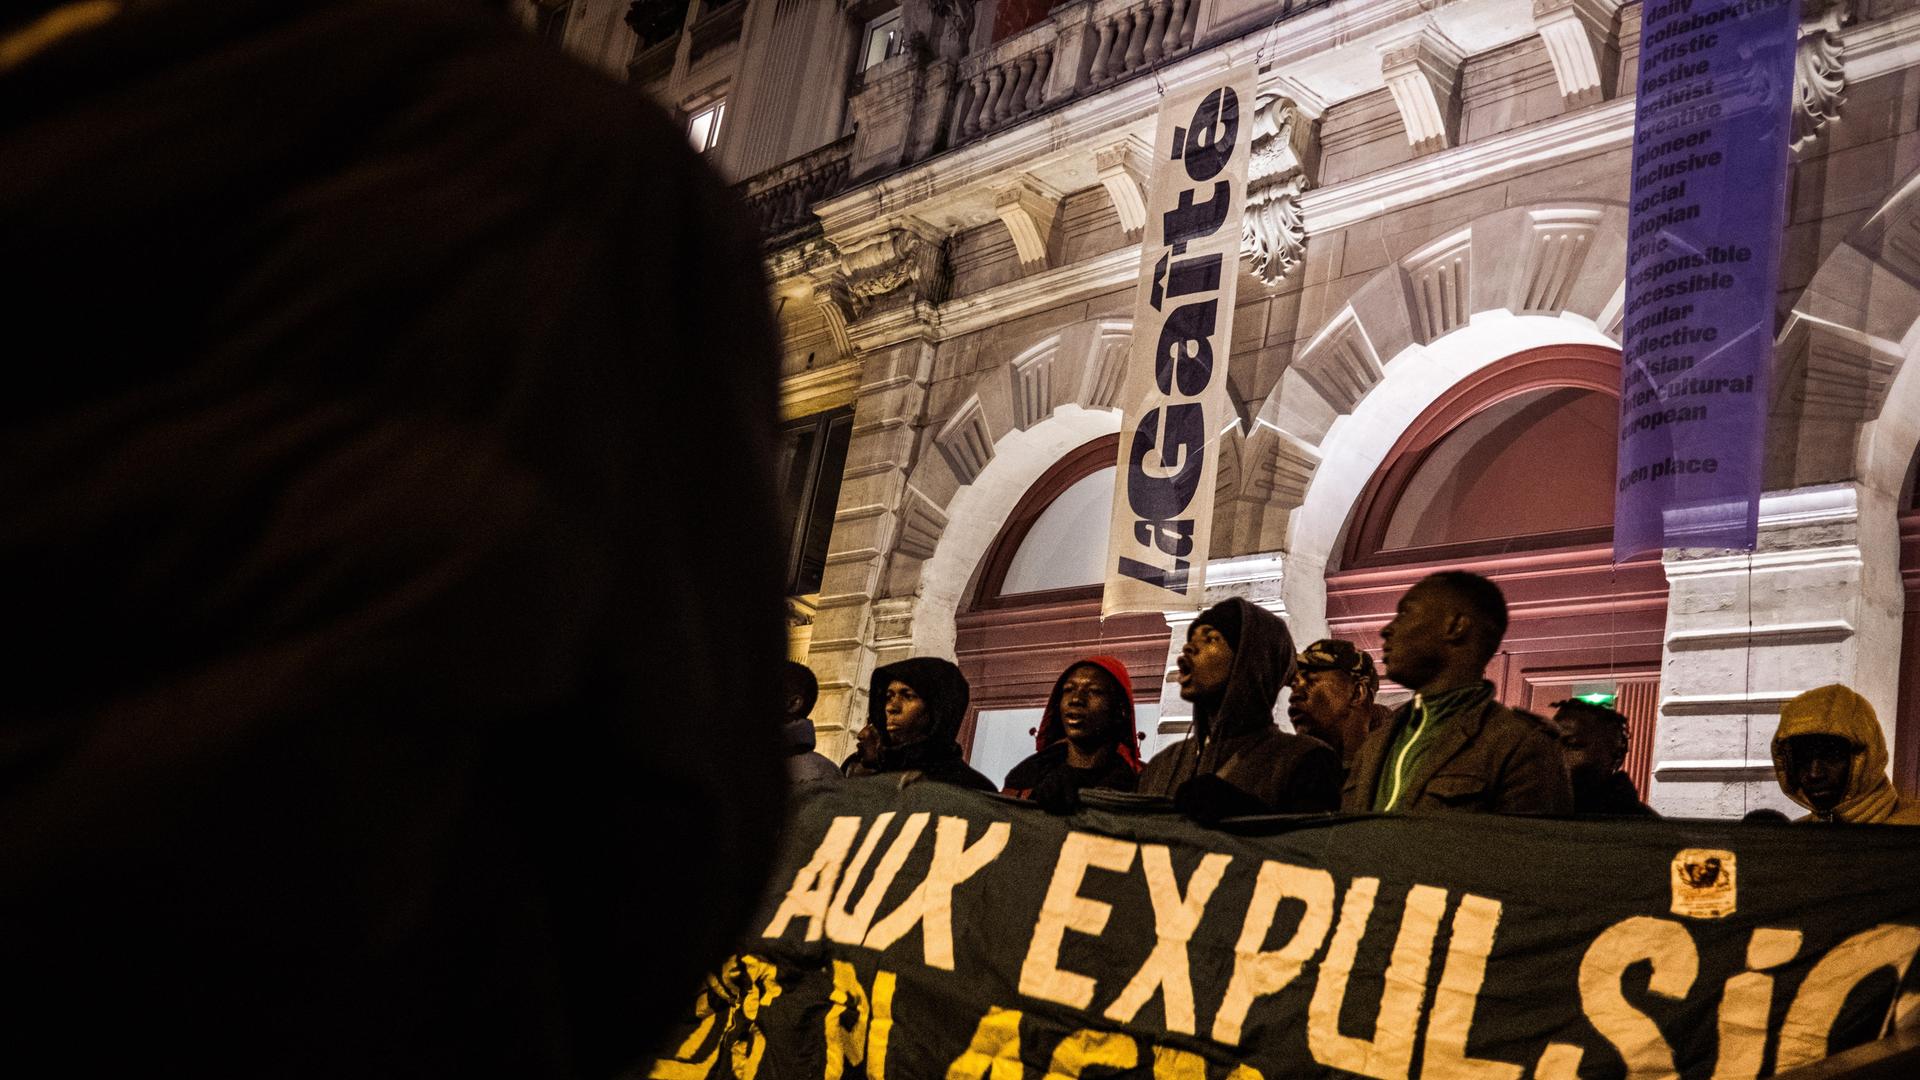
{"x": 1596, "y": 699}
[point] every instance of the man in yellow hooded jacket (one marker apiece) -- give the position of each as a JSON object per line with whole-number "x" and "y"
{"x": 1830, "y": 757}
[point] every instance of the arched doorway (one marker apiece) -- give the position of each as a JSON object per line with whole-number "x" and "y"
{"x": 1510, "y": 474}
{"x": 1033, "y": 606}
{"x": 1906, "y": 738}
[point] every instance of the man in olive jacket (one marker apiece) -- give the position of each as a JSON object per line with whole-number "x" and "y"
{"x": 1453, "y": 747}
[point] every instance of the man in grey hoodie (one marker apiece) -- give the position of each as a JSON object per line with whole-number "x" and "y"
{"x": 1238, "y": 761}
{"x": 807, "y": 768}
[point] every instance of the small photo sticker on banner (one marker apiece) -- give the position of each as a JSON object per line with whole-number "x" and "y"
{"x": 1703, "y": 883}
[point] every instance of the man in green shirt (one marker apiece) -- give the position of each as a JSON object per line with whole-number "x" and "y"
{"x": 1453, "y": 747}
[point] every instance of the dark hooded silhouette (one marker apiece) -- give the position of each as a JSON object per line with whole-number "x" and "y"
{"x": 1046, "y": 777}
{"x": 1244, "y": 762}
{"x": 938, "y": 756}
{"x": 361, "y": 349}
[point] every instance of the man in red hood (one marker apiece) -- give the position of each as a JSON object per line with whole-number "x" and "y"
{"x": 1086, "y": 737}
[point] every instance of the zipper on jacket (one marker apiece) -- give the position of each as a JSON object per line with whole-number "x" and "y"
{"x": 1400, "y": 760}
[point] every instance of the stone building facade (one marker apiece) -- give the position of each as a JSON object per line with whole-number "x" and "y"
{"x": 1424, "y": 349}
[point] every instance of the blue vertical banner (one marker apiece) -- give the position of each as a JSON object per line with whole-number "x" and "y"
{"x": 1706, "y": 214}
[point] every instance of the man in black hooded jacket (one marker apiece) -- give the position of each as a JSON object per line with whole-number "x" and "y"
{"x": 1238, "y": 761}
{"x": 371, "y": 365}
{"x": 915, "y": 706}
{"x": 1086, "y": 737}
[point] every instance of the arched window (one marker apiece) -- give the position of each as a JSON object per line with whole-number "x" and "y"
{"x": 1461, "y": 491}
{"x": 1033, "y": 607}
{"x": 1511, "y": 475}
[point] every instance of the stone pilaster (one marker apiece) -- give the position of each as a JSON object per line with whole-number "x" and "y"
{"x": 1817, "y": 602}
{"x": 892, "y": 277}
{"x": 853, "y": 621}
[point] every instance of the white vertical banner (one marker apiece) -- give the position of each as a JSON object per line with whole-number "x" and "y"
{"x": 1175, "y": 394}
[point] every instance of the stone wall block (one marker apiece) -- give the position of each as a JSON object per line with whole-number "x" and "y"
{"x": 1298, "y": 408}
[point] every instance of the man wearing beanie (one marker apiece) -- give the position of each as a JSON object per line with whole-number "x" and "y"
{"x": 1831, "y": 758}
{"x": 1086, "y": 737}
{"x": 1332, "y": 700}
{"x": 1238, "y": 761}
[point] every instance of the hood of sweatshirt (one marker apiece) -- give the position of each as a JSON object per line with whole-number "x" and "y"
{"x": 1837, "y": 710}
{"x": 1053, "y": 728}
{"x": 1262, "y": 665}
{"x": 938, "y": 682}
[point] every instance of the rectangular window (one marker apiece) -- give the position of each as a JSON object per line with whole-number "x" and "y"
{"x": 550, "y": 23}
{"x": 703, "y": 127}
{"x": 813, "y": 453}
{"x": 882, "y": 40}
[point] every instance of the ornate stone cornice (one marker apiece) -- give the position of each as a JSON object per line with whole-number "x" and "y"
{"x": 1589, "y": 131}
{"x": 901, "y": 263}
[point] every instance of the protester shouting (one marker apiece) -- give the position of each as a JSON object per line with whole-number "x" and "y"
{"x": 806, "y": 768}
{"x": 1593, "y": 742}
{"x": 915, "y": 707}
{"x": 1453, "y": 747}
{"x": 1332, "y": 700}
{"x": 1831, "y": 758}
{"x": 1086, "y": 737}
{"x": 1238, "y": 761}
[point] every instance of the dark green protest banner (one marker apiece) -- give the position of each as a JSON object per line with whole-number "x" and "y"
{"x": 936, "y": 933}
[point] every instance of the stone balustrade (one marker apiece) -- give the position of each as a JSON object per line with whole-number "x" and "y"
{"x": 1080, "y": 47}
{"x": 781, "y": 199}
{"x": 1006, "y": 83}
{"x": 1129, "y": 35}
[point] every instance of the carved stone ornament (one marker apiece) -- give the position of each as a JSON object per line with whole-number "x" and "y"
{"x": 1272, "y": 234}
{"x": 937, "y": 29}
{"x": 891, "y": 266}
{"x": 1819, "y": 77}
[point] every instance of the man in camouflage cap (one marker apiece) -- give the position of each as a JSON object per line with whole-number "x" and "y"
{"x": 1333, "y": 687}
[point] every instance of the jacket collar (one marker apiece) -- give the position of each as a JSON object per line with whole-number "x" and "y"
{"x": 1443, "y": 744}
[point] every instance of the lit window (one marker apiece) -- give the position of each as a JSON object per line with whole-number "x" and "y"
{"x": 703, "y": 128}
{"x": 882, "y": 40}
